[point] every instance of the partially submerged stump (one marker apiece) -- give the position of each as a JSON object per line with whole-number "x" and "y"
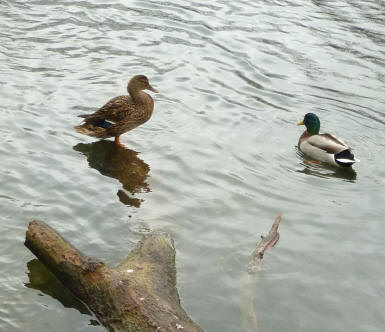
{"x": 139, "y": 295}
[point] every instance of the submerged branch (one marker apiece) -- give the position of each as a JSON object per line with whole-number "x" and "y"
{"x": 266, "y": 243}
{"x": 250, "y": 276}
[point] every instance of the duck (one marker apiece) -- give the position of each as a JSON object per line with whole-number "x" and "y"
{"x": 324, "y": 147}
{"x": 121, "y": 113}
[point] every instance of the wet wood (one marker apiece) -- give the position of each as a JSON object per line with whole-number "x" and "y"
{"x": 139, "y": 295}
{"x": 249, "y": 278}
{"x": 266, "y": 243}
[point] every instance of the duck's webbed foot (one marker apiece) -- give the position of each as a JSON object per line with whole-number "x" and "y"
{"x": 311, "y": 162}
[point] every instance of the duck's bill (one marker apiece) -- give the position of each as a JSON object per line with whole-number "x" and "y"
{"x": 152, "y": 89}
{"x": 300, "y": 123}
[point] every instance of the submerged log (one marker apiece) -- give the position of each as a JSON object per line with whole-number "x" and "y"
{"x": 139, "y": 295}
{"x": 266, "y": 243}
{"x": 249, "y": 278}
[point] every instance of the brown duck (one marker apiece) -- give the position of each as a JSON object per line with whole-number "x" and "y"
{"x": 121, "y": 113}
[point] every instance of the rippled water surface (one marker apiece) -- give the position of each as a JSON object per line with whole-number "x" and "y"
{"x": 215, "y": 164}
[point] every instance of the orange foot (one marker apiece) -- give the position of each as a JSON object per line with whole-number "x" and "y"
{"x": 310, "y": 162}
{"x": 117, "y": 141}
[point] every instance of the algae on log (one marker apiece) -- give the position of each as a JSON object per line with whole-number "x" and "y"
{"x": 139, "y": 295}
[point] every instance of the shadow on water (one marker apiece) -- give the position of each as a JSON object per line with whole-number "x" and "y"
{"x": 42, "y": 279}
{"x": 120, "y": 163}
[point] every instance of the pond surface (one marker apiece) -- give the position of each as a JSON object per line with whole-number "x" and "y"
{"x": 215, "y": 164}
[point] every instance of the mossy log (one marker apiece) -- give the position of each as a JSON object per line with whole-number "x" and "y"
{"x": 139, "y": 295}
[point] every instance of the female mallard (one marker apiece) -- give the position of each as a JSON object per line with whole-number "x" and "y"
{"x": 323, "y": 147}
{"x": 121, "y": 113}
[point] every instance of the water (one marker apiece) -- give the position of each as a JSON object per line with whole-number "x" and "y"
{"x": 214, "y": 166}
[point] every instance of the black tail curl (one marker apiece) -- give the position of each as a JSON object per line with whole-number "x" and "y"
{"x": 344, "y": 158}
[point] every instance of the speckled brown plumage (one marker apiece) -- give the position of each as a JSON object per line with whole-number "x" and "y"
{"x": 122, "y": 113}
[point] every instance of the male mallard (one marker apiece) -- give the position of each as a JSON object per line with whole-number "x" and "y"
{"x": 323, "y": 147}
{"x": 121, "y": 113}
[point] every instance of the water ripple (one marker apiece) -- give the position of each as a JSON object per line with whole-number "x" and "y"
{"x": 214, "y": 165}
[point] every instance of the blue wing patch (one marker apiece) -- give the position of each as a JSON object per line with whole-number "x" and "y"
{"x": 105, "y": 124}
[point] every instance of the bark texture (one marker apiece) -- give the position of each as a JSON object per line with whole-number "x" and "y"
{"x": 139, "y": 295}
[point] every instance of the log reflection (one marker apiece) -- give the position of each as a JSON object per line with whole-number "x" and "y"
{"x": 42, "y": 279}
{"x": 120, "y": 163}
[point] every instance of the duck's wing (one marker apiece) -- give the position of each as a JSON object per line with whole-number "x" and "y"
{"x": 122, "y": 126}
{"x": 336, "y": 139}
{"x": 114, "y": 110}
{"x": 327, "y": 142}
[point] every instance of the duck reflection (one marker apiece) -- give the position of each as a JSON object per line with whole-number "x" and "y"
{"x": 348, "y": 175}
{"x": 120, "y": 163}
{"x": 42, "y": 279}
{"x": 323, "y": 171}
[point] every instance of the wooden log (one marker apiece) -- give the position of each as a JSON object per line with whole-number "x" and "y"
{"x": 266, "y": 243}
{"x": 139, "y": 295}
{"x": 249, "y": 278}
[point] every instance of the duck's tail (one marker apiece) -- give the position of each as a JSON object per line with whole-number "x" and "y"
{"x": 91, "y": 130}
{"x": 345, "y": 158}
